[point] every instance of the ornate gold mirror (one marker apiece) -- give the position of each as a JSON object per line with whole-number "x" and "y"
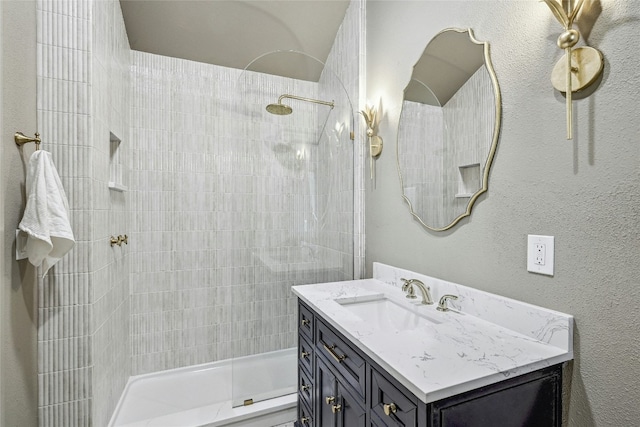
{"x": 448, "y": 129}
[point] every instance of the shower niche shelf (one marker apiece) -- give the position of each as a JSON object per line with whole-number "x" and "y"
{"x": 469, "y": 180}
{"x": 116, "y": 174}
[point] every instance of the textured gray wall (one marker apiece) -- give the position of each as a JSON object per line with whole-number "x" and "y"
{"x": 586, "y": 193}
{"x": 18, "y": 353}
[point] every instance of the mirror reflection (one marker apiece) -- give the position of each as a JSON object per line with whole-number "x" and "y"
{"x": 448, "y": 129}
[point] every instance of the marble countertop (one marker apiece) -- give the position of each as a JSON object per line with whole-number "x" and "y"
{"x": 488, "y": 338}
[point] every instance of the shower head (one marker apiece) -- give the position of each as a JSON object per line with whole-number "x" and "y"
{"x": 281, "y": 109}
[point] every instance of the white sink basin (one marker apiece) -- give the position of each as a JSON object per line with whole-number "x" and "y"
{"x": 383, "y": 313}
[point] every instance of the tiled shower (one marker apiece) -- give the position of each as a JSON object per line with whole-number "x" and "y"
{"x": 214, "y": 194}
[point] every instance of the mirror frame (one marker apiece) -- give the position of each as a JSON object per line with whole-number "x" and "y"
{"x": 496, "y": 132}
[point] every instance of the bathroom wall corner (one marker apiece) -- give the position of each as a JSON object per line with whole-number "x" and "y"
{"x": 18, "y": 316}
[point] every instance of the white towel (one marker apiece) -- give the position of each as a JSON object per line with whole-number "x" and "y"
{"x": 46, "y": 216}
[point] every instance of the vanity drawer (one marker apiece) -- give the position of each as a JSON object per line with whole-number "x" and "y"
{"x": 305, "y": 321}
{"x": 347, "y": 361}
{"x": 305, "y": 354}
{"x": 401, "y": 410}
{"x": 305, "y": 418}
{"x": 305, "y": 388}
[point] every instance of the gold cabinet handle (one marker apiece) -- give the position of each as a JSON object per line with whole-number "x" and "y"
{"x": 304, "y": 354}
{"x": 305, "y": 322}
{"x": 304, "y": 387}
{"x": 333, "y": 354}
{"x": 304, "y": 420}
{"x": 390, "y": 408}
{"x": 334, "y": 408}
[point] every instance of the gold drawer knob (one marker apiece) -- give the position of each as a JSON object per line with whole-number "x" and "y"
{"x": 304, "y": 387}
{"x": 390, "y": 408}
{"x": 329, "y": 399}
{"x": 304, "y": 420}
{"x": 305, "y": 322}
{"x": 336, "y": 408}
{"x": 304, "y": 354}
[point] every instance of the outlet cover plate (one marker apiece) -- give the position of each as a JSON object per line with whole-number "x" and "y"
{"x": 540, "y": 254}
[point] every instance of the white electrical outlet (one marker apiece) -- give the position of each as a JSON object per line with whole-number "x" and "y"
{"x": 540, "y": 254}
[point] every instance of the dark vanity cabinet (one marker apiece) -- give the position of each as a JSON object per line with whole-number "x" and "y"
{"x": 339, "y": 386}
{"x": 337, "y": 406}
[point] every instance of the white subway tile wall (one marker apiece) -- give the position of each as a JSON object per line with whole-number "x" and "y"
{"x": 232, "y": 207}
{"x": 83, "y": 304}
{"x": 227, "y": 206}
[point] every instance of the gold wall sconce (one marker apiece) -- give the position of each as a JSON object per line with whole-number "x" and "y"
{"x": 579, "y": 68}
{"x": 375, "y": 142}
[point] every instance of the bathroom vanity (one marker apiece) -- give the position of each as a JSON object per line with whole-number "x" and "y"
{"x": 370, "y": 357}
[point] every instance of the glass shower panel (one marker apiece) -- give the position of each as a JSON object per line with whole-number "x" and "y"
{"x": 293, "y": 178}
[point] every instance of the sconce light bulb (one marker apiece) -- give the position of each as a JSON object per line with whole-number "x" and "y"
{"x": 369, "y": 132}
{"x": 568, "y": 39}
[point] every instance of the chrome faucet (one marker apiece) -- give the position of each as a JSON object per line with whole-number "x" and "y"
{"x": 442, "y": 304}
{"x": 411, "y": 293}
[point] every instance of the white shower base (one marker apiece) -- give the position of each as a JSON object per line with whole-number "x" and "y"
{"x": 199, "y": 396}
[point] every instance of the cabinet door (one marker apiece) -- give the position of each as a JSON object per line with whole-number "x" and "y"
{"x": 350, "y": 413}
{"x": 327, "y": 396}
{"x": 336, "y": 407}
{"x": 532, "y": 400}
{"x": 391, "y": 406}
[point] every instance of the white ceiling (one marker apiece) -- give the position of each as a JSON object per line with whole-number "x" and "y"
{"x": 232, "y": 33}
{"x": 450, "y": 59}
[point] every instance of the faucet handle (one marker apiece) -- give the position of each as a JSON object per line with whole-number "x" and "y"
{"x": 442, "y": 304}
